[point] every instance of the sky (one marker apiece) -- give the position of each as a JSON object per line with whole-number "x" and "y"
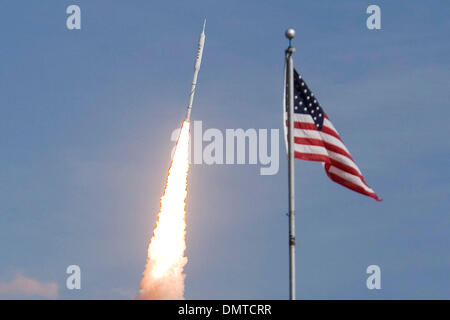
{"x": 85, "y": 126}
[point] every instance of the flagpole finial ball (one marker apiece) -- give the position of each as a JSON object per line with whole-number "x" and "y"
{"x": 290, "y": 33}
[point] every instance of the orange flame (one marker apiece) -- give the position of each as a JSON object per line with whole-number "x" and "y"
{"x": 163, "y": 277}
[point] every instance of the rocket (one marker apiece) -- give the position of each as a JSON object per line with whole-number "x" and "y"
{"x": 198, "y": 61}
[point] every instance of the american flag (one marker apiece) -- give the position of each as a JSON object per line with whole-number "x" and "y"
{"x": 316, "y": 139}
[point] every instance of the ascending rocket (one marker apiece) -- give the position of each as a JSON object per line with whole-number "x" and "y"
{"x": 198, "y": 61}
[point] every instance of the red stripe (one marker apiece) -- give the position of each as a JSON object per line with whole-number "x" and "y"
{"x": 312, "y": 126}
{"x": 349, "y": 184}
{"x": 304, "y": 125}
{"x": 311, "y": 156}
{"x": 331, "y": 132}
{"x": 327, "y": 159}
{"x": 322, "y": 143}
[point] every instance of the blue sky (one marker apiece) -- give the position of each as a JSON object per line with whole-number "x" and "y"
{"x": 85, "y": 145}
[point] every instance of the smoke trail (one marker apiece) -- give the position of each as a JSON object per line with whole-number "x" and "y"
{"x": 163, "y": 276}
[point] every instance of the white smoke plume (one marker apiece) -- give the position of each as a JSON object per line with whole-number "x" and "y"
{"x": 163, "y": 277}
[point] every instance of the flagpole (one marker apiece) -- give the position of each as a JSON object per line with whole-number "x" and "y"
{"x": 290, "y": 34}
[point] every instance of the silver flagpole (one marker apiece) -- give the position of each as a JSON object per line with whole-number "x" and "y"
{"x": 290, "y": 34}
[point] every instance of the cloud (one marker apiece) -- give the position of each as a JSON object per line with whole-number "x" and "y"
{"x": 22, "y": 286}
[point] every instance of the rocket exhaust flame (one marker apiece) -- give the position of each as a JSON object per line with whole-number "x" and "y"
{"x": 163, "y": 277}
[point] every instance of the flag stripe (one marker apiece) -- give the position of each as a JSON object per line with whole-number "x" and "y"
{"x": 325, "y": 156}
{"x": 314, "y": 134}
{"x": 328, "y": 124}
{"x": 311, "y": 126}
{"x": 302, "y": 118}
{"x": 345, "y": 163}
{"x": 323, "y": 143}
{"x": 350, "y": 177}
{"x": 351, "y": 185}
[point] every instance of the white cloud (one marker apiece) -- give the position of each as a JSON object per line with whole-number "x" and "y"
{"x": 23, "y": 287}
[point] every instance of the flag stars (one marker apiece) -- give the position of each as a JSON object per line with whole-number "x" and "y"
{"x": 306, "y": 103}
